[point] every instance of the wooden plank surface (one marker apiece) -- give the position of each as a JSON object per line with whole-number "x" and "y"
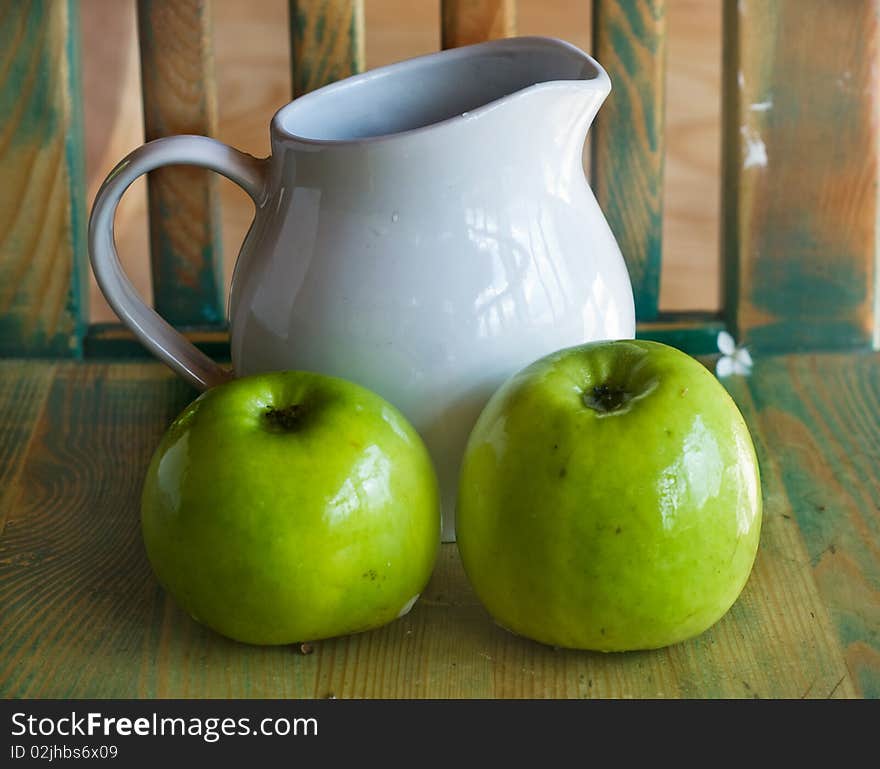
{"x": 628, "y": 147}
{"x": 23, "y": 391}
{"x": 179, "y": 98}
{"x": 819, "y": 420}
{"x": 81, "y": 614}
{"x": 463, "y": 22}
{"x": 800, "y": 172}
{"x": 42, "y": 197}
{"x": 326, "y": 42}
{"x": 71, "y": 564}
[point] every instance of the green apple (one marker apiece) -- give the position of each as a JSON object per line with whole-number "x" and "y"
{"x": 291, "y": 506}
{"x": 609, "y": 499}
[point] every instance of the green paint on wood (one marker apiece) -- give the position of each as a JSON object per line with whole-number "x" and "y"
{"x": 636, "y": 13}
{"x": 40, "y": 102}
{"x": 77, "y": 306}
{"x": 28, "y": 79}
{"x": 299, "y": 20}
{"x": 823, "y": 287}
{"x": 186, "y": 296}
{"x": 792, "y": 335}
{"x": 356, "y": 62}
{"x": 326, "y": 42}
{"x": 853, "y": 629}
{"x": 303, "y": 75}
{"x": 185, "y": 235}
{"x": 819, "y": 417}
{"x": 112, "y": 341}
{"x": 624, "y": 47}
{"x": 818, "y": 290}
{"x": 800, "y": 175}
{"x": 628, "y": 141}
{"x": 628, "y": 113}
{"x": 694, "y": 333}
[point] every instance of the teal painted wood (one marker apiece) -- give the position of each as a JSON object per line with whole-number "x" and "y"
{"x": 43, "y": 296}
{"x": 326, "y": 42}
{"x": 820, "y": 433}
{"x": 800, "y": 167}
{"x": 113, "y": 341}
{"x": 628, "y": 147}
{"x": 694, "y": 333}
{"x": 179, "y": 98}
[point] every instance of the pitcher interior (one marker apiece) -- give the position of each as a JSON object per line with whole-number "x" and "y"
{"x": 431, "y": 89}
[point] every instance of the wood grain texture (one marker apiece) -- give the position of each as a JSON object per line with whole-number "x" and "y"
{"x": 23, "y": 390}
{"x": 694, "y": 332}
{"x": 113, "y": 341}
{"x": 75, "y": 517}
{"x": 818, "y": 418}
{"x": 178, "y": 98}
{"x": 690, "y": 275}
{"x": 800, "y": 172}
{"x": 628, "y": 148}
{"x": 464, "y": 22}
{"x": 326, "y": 42}
{"x": 81, "y": 614}
{"x": 42, "y": 213}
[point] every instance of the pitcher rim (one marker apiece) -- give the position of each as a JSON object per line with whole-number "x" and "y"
{"x": 600, "y": 80}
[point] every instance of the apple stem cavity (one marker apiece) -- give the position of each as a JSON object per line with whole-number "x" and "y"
{"x": 286, "y": 419}
{"x": 606, "y": 398}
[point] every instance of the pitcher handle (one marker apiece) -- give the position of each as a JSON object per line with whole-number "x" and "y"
{"x": 158, "y": 336}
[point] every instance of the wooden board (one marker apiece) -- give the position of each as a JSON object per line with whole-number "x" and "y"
{"x": 819, "y": 419}
{"x": 178, "y": 93}
{"x": 81, "y": 614}
{"x": 800, "y": 172}
{"x": 464, "y": 22}
{"x": 326, "y": 42}
{"x": 42, "y": 198}
{"x": 696, "y": 333}
{"x": 628, "y": 147}
{"x": 23, "y": 391}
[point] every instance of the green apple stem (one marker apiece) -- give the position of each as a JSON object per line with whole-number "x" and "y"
{"x": 286, "y": 419}
{"x": 606, "y": 398}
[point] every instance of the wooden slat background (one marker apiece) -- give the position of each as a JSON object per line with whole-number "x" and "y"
{"x": 326, "y": 42}
{"x": 177, "y": 76}
{"x": 43, "y": 302}
{"x": 464, "y": 22}
{"x": 628, "y": 146}
{"x": 800, "y": 172}
{"x": 253, "y": 75}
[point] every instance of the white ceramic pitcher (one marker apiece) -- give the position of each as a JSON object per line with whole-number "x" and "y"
{"x": 424, "y": 229}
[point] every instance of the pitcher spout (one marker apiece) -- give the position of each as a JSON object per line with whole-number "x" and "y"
{"x": 431, "y": 92}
